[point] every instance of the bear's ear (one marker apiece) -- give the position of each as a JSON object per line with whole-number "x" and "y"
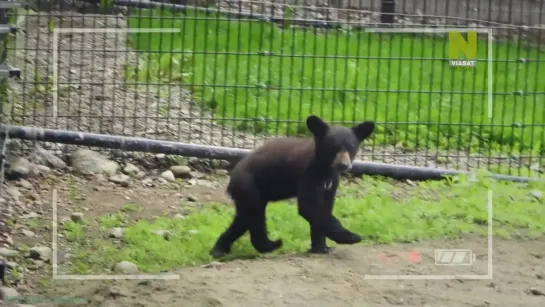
{"x": 363, "y": 130}
{"x": 317, "y": 126}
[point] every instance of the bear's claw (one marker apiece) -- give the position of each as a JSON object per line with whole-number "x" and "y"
{"x": 345, "y": 237}
{"x": 320, "y": 250}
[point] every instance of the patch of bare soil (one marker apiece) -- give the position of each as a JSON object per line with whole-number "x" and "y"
{"x": 338, "y": 279}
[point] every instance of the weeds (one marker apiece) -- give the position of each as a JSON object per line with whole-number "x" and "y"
{"x": 383, "y": 211}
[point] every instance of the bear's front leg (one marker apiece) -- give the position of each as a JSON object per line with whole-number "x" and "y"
{"x": 335, "y": 230}
{"x": 318, "y": 240}
{"x": 310, "y": 204}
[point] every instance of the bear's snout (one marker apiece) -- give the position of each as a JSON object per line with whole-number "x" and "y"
{"x": 342, "y": 162}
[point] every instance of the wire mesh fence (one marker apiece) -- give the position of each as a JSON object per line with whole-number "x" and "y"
{"x": 235, "y": 73}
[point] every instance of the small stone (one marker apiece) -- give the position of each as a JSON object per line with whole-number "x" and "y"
{"x": 7, "y": 253}
{"x": 191, "y": 198}
{"x": 46, "y": 157}
{"x": 222, "y": 172}
{"x": 14, "y": 192}
{"x": 27, "y": 233}
{"x": 76, "y": 217}
{"x": 31, "y": 215}
{"x": 8, "y": 295}
{"x": 8, "y": 239}
{"x": 214, "y": 264}
{"x": 38, "y": 170}
{"x": 140, "y": 175}
{"x": 161, "y": 180}
{"x": 40, "y": 253}
{"x": 19, "y": 167}
{"x": 131, "y": 169}
{"x": 11, "y": 265}
{"x": 126, "y": 267}
{"x": 168, "y": 175}
{"x": 535, "y": 291}
{"x": 163, "y": 233}
{"x": 197, "y": 175}
{"x": 535, "y": 167}
{"x": 25, "y": 184}
{"x": 87, "y": 161}
{"x": 116, "y": 232}
{"x": 537, "y": 194}
{"x": 181, "y": 171}
{"x": 147, "y": 182}
{"x": 179, "y": 216}
{"x": 120, "y": 179}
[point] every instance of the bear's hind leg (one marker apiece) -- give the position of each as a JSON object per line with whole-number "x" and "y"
{"x": 239, "y": 226}
{"x": 341, "y": 235}
{"x": 258, "y": 231}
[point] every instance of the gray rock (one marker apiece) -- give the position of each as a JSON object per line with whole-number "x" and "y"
{"x": 37, "y": 170}
{"x": 213, "y": 264}
{"x": 48, "y": 158}
{"x": 76, "y": 217}
{"x": 86, "y": 161}
{"x": 8, "y": 239}
{"x": 25, "y": 184}
{"x": 8, "y": 295}
{"x": 147, "y": 182}
{"x": 7, "y": 253}
{"x": 116, "y": 232}
{"x": 14, "y": 192}
{"x": 19, "y": 167}
{"x": 27, "y": 233}
{"x": 537, "y": 194}
{"x": 126, "y": 267}
{"x": 140, "y": 175}
{"x": 536, "y": 291}
{"x": 120, "y": 179}
{"x": 191, "y": 198}
{"x": 197, "y": 175}
{"x": 12, "y": 264}
{"x": 162, "y": 180}
{"x": 181, "y": 171}
{"x": 40, "y": 253}
{"x": 31, "y": 215}
{"x": 163, "y": 233}
{"x": 131, "y": 169}
{"x": 168, "y": 175}
{"x": 222, "y": 172}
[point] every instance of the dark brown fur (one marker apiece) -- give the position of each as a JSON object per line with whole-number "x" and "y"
{"x": 306, "y": 168}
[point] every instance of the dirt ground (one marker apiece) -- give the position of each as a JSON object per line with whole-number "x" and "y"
{"x": 338, "y": 279}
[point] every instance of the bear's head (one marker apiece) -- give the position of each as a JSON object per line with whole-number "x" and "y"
{"x": 336, "y": 146}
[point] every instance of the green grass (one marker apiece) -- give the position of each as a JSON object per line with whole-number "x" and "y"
{"x": 383, "y": 211}
{"x": 446, "y": 119}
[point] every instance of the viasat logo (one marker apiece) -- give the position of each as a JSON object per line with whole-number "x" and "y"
{"x": 459, "y": 45}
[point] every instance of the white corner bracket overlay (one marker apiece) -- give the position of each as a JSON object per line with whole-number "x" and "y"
{"x": 452, "y": 256}
{"x": 56, "y": 276}
{"x": 54, "y": 247}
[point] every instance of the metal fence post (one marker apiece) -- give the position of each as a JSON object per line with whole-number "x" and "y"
{"x": 387, "y": 10}
{"x": 6, "y": 71}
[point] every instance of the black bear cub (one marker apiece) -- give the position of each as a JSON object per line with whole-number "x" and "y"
{"x": 306, "y": 168}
